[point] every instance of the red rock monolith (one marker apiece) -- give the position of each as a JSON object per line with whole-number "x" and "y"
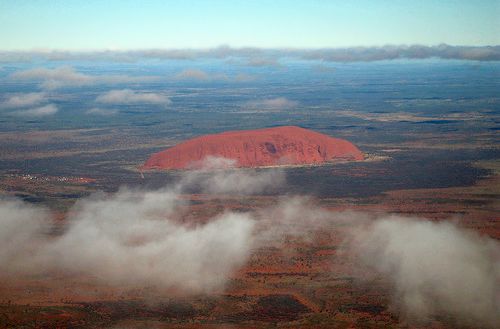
{"x": 288, "y": 145}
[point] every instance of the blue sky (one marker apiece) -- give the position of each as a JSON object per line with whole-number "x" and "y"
{"x": 125, "y": 24}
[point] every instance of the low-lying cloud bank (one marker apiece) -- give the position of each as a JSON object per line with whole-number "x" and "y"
{"x": 67, "y": 76}
{"x": 369, "y": 54}
{"x": 100, "y": 111}
{"x": 217, "y": 175}
{"x": 434, "y": 268}
{"x": 23, "y": 99}
{"x": 260, "y": 56}
{"x": 138, "y": 238}
{"x": 28, "y": 105}
{"x": 21, "y": 226}
{"x": 278, "y": 103}
{"x": 41, "y": 111}
{"x": 194, "y": 74}
{"x": 133, "y": 238}
{"x": 130, "y": 238}
{"x": 128, "y": 96}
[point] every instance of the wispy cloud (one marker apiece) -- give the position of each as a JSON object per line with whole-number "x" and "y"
{"x": 67, "y": 76}
{"x": 220, "y": 176}
{"x": 278, "y": 103}
{"x": 54, "y": 78}
{"x": 410, "y": 117}
{"x": 136, "y": 237}
{"x": 24, "y": 100}
{"x": 128, "y": 96}
{"x": 42, "y": 111}
{"x": 193, "y": 74}
{"x": 100, "y": 111}
{"x": 262, "y": 61}
{"x": 262, "y": 57}
{"x": 200, "y": 75}
{"x": 434, "y": 268}
{"x": 369, "y": 54}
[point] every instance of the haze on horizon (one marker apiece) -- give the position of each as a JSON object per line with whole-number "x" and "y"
{"x": 127, "y": 25}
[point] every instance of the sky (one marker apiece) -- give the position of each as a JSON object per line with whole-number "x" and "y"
{"x": 126, "y": 24}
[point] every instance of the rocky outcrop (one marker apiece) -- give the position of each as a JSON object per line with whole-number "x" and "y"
{"x": 287, "y": 145}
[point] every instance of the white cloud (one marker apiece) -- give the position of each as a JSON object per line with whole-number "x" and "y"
{"x": 259, "y": 61}
{"x": 132, "y": 237}
{"x": 20, "y": 225}
{"x": 261, "y": 56}
{"x": 199, "y": 75}
{"x": 54, "y": 78}
{"x": 219, "y": 175}
{"x": 434, "y": 268}
{"x": 278, "y": 103}
{"x": 46, "y": 110}
{"x": 193, "y": 74}
{"x": 100, "y": 111}
{"x": 128, "y": 96}
{"x": 23, "y": 100}
{"x": 66, "y": 76}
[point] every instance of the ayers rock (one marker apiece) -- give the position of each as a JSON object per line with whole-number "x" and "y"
{"x": 287, "y": 145}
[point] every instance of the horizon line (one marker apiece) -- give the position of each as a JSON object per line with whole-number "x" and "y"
{"x": 229, "y": 47}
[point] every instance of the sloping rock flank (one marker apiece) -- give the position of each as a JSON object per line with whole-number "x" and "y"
{"x": 287, "y": 145}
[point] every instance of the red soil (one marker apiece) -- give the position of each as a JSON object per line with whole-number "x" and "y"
{"x": 287, "y": 145}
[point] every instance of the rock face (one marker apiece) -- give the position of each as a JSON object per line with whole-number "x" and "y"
{"x": 287, "y": 145}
